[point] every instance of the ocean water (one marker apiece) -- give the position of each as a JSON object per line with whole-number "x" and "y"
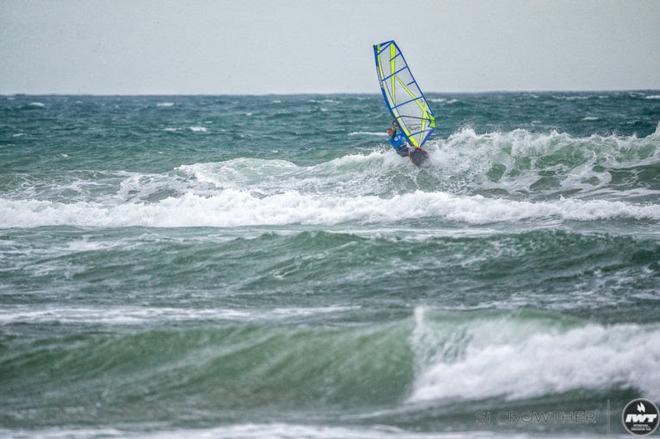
{"x": 266, "y": 266}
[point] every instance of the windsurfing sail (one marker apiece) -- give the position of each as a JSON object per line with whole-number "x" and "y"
{"x": 402, "y": 94}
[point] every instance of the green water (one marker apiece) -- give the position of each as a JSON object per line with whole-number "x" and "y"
{"x": 268, "y": 267}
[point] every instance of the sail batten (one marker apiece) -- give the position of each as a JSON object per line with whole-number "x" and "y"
{"x": 402, "y": 94}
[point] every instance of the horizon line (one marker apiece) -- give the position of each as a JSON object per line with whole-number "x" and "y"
{"x": 489, "y": 91}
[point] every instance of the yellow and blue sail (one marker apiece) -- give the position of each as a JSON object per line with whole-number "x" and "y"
{"x": 402, "y": 94}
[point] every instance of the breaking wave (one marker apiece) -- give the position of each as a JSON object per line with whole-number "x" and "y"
{"x": 472, "y": 178}
{"x": 231, "y": 208}
{"x": 431, "y": 358}
{"x": 530, "y": 357}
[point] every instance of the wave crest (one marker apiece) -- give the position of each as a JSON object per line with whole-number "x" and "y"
{"x": 231, "y": 208}
{"x": 525, "y": 358}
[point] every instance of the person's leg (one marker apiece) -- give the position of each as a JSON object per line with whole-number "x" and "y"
{"x": 403, "y": 151}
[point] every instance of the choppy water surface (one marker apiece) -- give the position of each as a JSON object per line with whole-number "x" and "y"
{"x": 219, "y": 266}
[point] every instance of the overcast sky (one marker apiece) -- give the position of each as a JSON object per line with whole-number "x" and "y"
{"x": 296, "y": 46}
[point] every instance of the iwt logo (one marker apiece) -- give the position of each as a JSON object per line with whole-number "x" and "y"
{"x": 640, "y": 417}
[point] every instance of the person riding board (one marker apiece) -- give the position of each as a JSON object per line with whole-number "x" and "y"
{"x": 400, "y": 144}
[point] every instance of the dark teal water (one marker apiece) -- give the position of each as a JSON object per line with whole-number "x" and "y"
{"x": 265, "y": 266}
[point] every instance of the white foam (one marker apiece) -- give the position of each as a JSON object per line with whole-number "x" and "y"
{"x": 467, "y": 157}
{"x": 165, "y": 104}
{"x": 368, "y": 133}
{"x": 231, "y": 208}
{"x": 85, "y": 245}
{"x": 589, "y": 118}
{"x": 350, "y": 175}
{"x": 653, "y": 97}
{"x": 126, "y": 315}
{"x": 365, "y": 187}
{"x": 525, "y": 358}
{"x": 275, "y": 430}
{"x": 198, "y": 129}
